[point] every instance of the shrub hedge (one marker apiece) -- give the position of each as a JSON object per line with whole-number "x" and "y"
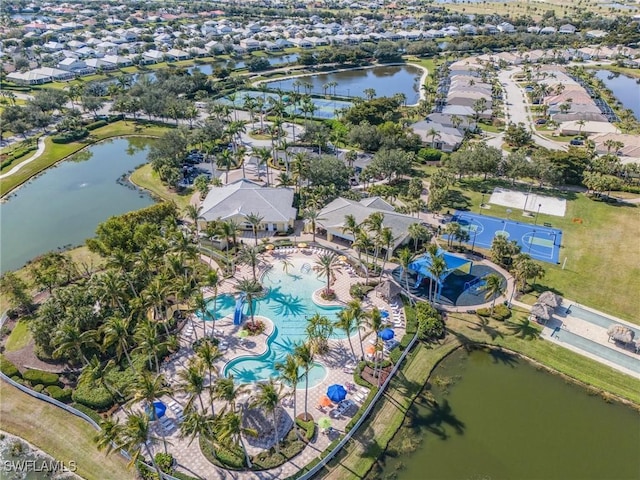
{"x": 8, "y": 368}
{"x": 94, "y": 125}
{"x": 60, "y": 394}
{"x": 87, "y": 411}
{"x": 72, "y": 136}
{"x": 309, "y": 428}
{"x": 38, "y": 376}
{"x": 93, "y": 396}
{"x": 500, "y": 312}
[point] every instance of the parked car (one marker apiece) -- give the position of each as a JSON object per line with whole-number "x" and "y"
{"x": 541, "y": 121}
{"x": 576, "y": 141}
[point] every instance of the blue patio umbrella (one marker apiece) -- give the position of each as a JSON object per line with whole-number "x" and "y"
{"x": 384, "y": 313}
{"x": 386, "y": 334}
{"x": 336, "y": 393}
{"x": 159, "y": 410}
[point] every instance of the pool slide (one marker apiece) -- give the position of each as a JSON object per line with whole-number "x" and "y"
{"x": 237, "y": 314}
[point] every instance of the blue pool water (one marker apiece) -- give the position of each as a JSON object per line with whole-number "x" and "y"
{"x": 288, "y": 304}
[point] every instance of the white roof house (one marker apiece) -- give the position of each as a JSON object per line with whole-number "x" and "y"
{"x": 243, "y": 197}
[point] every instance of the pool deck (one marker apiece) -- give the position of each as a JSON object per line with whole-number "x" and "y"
{"x": 339, "y": 355}
{"x": 589, "y": 331}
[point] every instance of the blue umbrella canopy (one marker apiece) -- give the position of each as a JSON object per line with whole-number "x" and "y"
{"x": 336, "y": 393}
{"x": 159, "y": 410}
{"x": 384, "y": 313}
{"x": 386, "y": 334}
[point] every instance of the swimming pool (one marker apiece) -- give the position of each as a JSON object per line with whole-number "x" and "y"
{"x": 288, "y": 303}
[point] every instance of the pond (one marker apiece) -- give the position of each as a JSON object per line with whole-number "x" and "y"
{"x": 386, "y": 81}
{"x": 493, "y": 416}
{"x": 624, "y": 88}
{"x": 64, "y": 205}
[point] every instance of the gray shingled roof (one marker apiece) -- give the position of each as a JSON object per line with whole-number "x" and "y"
{"x": 332, "y": 217}
{"x": 244, "y": 197}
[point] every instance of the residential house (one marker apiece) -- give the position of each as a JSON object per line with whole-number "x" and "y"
{"x": 567, "y": 29}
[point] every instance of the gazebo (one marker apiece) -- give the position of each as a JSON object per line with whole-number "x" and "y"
{"x": 387, "y": 290}
{"x": 541, "y": 311}
{"x": 422, "y": 264}
{"x": 550, "y": 299}
{"x": 620, "y": 333}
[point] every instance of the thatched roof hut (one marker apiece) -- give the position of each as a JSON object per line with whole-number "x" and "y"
{"x": 542, "y": 311}
{"x": 388, "y": 289}
{"x": 550, "y": 299}
{"x": 620, "y": 333}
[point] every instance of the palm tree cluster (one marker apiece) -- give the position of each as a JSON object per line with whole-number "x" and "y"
{"x": 370, "y": 237}
{"x": 123, "y": 317}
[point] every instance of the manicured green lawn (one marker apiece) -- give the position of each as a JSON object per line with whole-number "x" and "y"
{"x": 372, "y": 439}
{"x": 19, "y": 338}
{"x": 60, "y": 434}
{"x": 600, "y": 244}
{"x": 55, "y": 152}
{"x": 146, "y": 178}
{"x": 630, "y": 72}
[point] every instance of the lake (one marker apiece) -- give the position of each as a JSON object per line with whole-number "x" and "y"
{"x": 624, "y": 88}
{"x": 496, "y": 417}
{"x": 64, "y": 205}
{"x": 385, "y": 80}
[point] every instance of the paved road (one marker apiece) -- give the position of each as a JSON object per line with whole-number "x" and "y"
{"x": 516, "y": 108}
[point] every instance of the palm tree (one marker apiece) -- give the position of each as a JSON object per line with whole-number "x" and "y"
{"x": 110, "y": 435}
{"x": 192, "y": 381}
{"x": 493, "y": 289}
{"x": 195, "y": 423}
{"x": 209, "y": 354}
{"x": 225, "y": 159}
{"x": 193, "y": 213}
{"x": 312, "y": 216}
{"x": 369, "y": 93}
{"x": 136, "y": 435}
{"x": 96, "y": 372}
{"x": 147, "y": 388}
{"x": 325, "y": 266}
{"x": 115, "y": 331}
{"x": 268, "y": 397}
{"x": 225, "y": 389}
{"x": 250, "y": 256}
{"x": 386, "y": 239}
{"x": 264, "y": 156}
{"x": 229, "y": 427}
{"x": 418, "y": 232}
{"x": 70, "y": 341}
{"x": 254, "y": 220}
{"x": 148, "y": 342}
{"x": 375, "y": 324}
{"x": 404, "y": 259}
{"x": 436, "y": 269}
{"x": 350, "y": 226}
{"x": 347, "y": 322}
{"x": 250, "y": 288}
{"x": 318, "y": 330}
{"x": 289, "y": 372}
{"x": 305, "y": 358}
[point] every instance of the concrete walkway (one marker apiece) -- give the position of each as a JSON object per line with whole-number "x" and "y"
{"x": 33, "y": 157}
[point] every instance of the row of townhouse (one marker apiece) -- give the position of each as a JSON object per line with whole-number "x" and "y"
{"x": 459, "y": 96}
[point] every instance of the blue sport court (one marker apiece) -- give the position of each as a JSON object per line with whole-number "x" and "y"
{"x": 542, "y": 243}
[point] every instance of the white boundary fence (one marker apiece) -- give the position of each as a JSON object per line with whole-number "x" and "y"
{"x": 63, "y": 406}
{"x": 311, "y": 473}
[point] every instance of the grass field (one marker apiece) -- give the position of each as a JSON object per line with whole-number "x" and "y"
{"x": 81, "y": 256}
{"x": 517, "y": 335}
{"x": 536, "y": 8}
{"x": 146, "y": 178}
{"x": 630, "y": 72}
{"x": 60, "y": 434}
{"x": 55, "y": 152}
{"x": 19, "y": 337}
{"x": 600, "y": 244}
